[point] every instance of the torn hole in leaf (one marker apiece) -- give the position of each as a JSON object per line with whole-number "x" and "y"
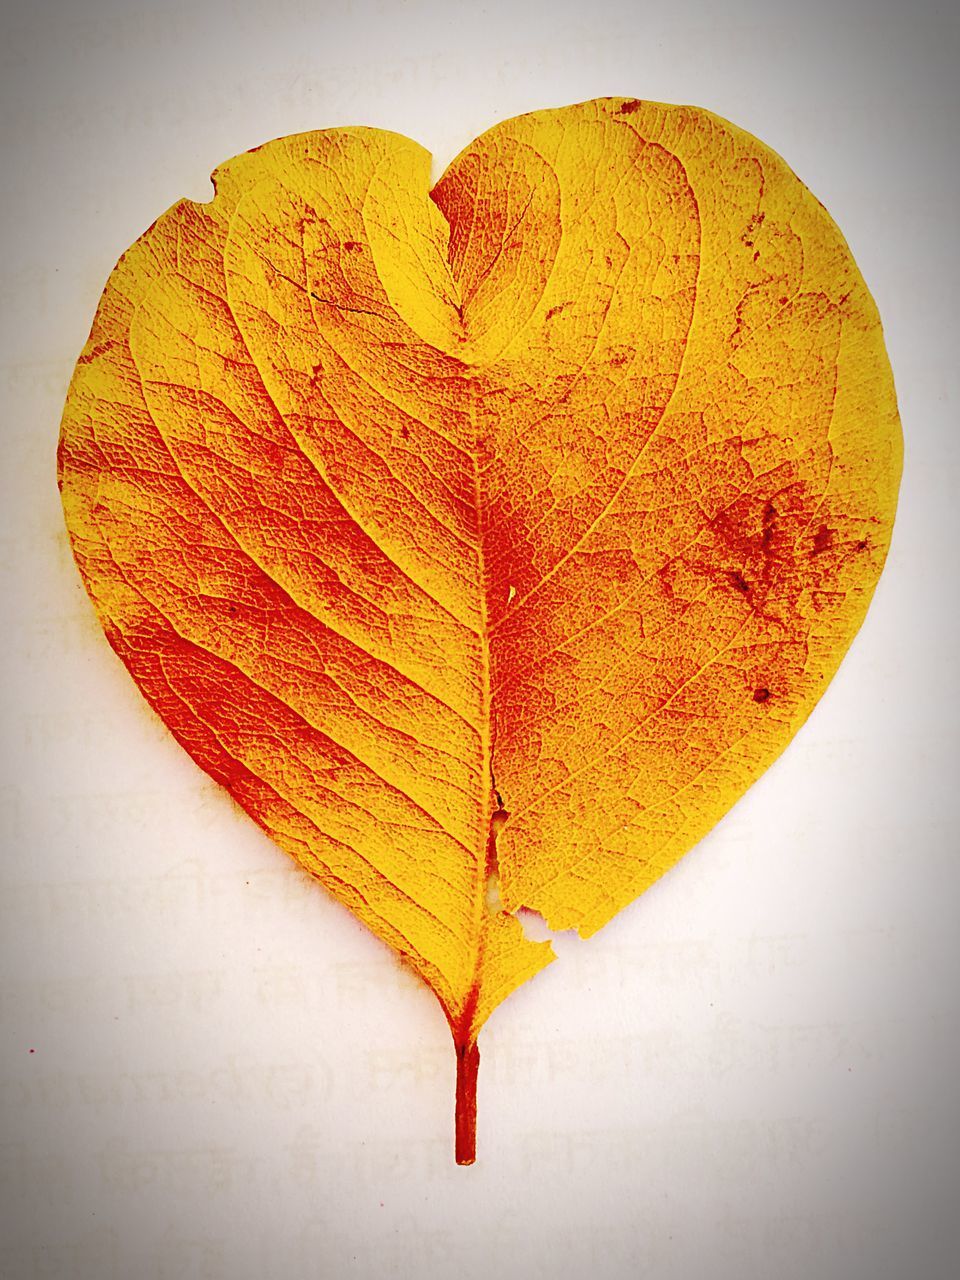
{"x": 492, "y": 899}
{"x": 494, "y": 902}
{"x": 536, "y": 929}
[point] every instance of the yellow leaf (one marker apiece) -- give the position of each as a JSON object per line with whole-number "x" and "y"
{"x": 487, "y": 542}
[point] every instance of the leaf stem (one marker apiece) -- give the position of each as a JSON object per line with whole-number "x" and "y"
{"x": 468, "y": 1062}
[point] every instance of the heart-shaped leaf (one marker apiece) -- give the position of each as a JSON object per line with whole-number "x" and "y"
{"x": 486, "y": 542}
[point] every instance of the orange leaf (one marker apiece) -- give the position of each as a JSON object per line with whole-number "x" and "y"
{"x": 487, "y": 542}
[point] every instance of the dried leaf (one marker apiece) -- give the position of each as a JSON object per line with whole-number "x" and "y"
{"x": 487, "y": 542}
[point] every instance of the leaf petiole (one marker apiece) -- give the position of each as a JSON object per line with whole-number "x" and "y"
{"x": 468, "y": 1062}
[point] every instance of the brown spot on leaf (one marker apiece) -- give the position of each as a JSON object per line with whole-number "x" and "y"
{"x": 769, "y": 519}
{"x": 752, "y": 227}
{"x": 822, "y": 539}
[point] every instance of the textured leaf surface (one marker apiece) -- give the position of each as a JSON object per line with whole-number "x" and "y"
{"x": 486, "y": 542}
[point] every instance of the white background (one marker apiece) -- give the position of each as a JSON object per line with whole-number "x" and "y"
{"x": 208, "y": 1068}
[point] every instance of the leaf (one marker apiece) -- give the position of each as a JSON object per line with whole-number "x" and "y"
{"x": 487, "y": 542}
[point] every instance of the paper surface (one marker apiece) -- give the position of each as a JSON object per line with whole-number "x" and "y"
{"x": 208, "y": 1068}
